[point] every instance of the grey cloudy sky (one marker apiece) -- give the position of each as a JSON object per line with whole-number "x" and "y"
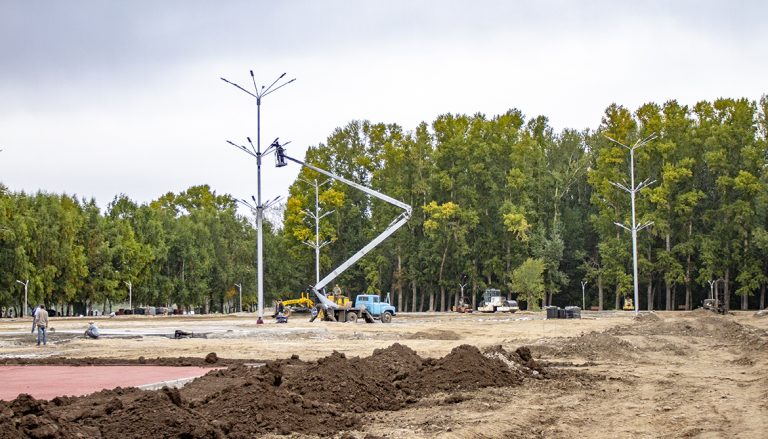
{"x": 99, "y": 98}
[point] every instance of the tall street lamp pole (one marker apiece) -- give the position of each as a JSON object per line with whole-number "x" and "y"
{"x": 632, "y": 189}
{"x": 583, "y": 296}
{"x": 260, "y": 264}
{"x": 240, "y": 288}
{"x": 317, "y": 245}
{"x": 26, "y": 288}
{"x": 259, "y": 93}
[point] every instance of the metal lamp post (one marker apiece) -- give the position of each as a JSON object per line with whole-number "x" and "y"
{"x": 632, "y": 189}
{"x": 130, "y": 295}
{"x": 317, "y": 245}
{"x": 583, "y": 296}
{"x": 260, "y": 264}
{"x": 259, "y": 94}
{"x": 240, "y": 288}
{"x": 26, "y": 289}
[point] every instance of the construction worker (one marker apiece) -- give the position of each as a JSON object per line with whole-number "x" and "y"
{"x": 315, "y": 311}
{"x": 41, "y": 321}
{"x": 92, "y": 331}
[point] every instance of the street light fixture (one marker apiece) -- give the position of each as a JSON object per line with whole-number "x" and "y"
{"x": 259, "y": 93}
{"x": 317, "y": 245}
{"x": 632, "y": 189}
{"x": 240, "y": 288}
{"x": 583, "y": 297}
{"x": 26, "y": 288}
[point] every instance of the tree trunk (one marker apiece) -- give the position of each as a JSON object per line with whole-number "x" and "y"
{"x": 745, "y": 296}
{"x": 442, "y": 298}
{"x": 727, "y": 290}
{"x": 599, "y": 292}
{"x": 431, "y": 300}
{"x": 688, "y": 292}
{"x": 474, "y": 295}
{"x": 667, "y": 284}
{"x": 618, "y": 297}
{"x": 415, "y": 297}
{"x": 649, "y": 293}
{"x": 762, "y": 295}
{"x": 440, "y": 282}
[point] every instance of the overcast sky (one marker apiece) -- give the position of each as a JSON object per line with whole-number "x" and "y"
{"x": 100, "y": 97}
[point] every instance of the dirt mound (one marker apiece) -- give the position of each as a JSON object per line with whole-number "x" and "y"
{"x": 109, "y": 414}
{"x": 592, "y": 346}
{"x": 357, "y": 384}
{"x": 433, "y": 335}
{"x": 281, "y": 397}
{"x": 706, "y": 325}
{"x": 761, "y": 313}
{"x": 647, "y": 317}
{"x": 464, "y": 368}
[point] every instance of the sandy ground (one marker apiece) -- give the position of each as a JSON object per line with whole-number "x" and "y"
{"x": 663, "y": 375}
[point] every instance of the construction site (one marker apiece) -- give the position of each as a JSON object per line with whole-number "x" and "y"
{"x": 450, "y": 375}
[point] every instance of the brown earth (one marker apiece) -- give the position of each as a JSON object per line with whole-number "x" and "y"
{"x": 668, "y": 375}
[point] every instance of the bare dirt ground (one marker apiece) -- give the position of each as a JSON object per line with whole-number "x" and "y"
{"x": 608, "y": 375}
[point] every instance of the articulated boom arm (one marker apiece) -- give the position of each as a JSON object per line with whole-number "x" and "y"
{"x": 392, "y": 228}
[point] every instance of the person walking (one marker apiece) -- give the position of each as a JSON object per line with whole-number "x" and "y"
{"x": 41, "y": 321}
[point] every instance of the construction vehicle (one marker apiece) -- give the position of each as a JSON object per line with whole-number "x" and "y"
{"x": 493, "y": 301}
{"x": 302, "y": 304}
{"x": 628, "y": 304}
{"x": 463, "y": 307}
{"x": 331, "y": 308}
{"x": 369, "y": 307}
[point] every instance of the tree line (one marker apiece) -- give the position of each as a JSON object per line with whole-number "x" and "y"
{"x": 187, "y": 249}
{"x": 503, "y": 202}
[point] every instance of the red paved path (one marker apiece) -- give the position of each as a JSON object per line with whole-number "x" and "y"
{"x": 47, "y": 382}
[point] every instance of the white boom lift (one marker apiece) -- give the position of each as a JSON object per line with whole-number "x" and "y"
{"x": 398, "y": 222}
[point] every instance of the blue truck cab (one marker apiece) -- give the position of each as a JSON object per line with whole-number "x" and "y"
{"x": 376, "y": 307}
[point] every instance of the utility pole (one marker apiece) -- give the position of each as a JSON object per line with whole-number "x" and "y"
{"x": 632, "y": 189}
{"x": 240, "y": 288}
{"x": 583, "y": 296}
{"x": 259, "y": 93}
{"x": 317, "y": 245}
{"x": 26, "y": 288}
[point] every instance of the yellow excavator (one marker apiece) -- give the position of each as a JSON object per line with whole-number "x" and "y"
{"x": 628, "y": 304}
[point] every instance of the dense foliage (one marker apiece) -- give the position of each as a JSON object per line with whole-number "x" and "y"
{"x": 506, "y": 201}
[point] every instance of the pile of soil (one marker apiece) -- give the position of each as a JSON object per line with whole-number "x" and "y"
{"x": 464, "y": 368}
{"x": 647, "y": 317}
{"x": 706, "y": 325}
{"x": 433, "y": 335}
{"x": 592, "y": 346}
{"x": 285, "y": 396}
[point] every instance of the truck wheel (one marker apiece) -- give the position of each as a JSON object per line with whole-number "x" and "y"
{"x": 351, "y": 317}
{"x": 386, "y": 317}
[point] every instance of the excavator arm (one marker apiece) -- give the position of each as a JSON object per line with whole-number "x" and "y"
{"x": 398, "y": 222}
